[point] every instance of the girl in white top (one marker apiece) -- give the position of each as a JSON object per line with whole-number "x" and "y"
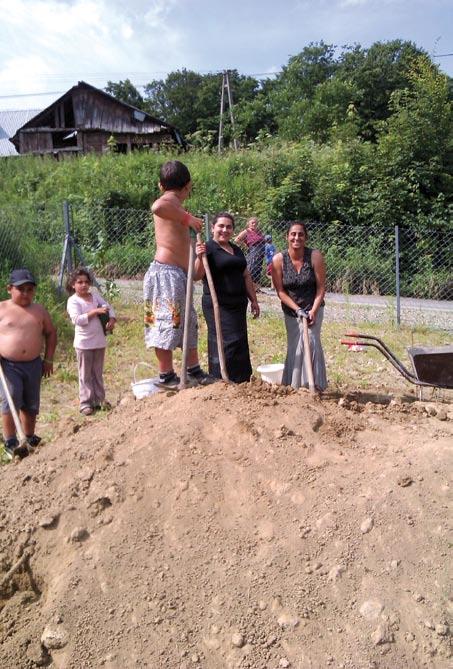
{"x": 92, "y": 317}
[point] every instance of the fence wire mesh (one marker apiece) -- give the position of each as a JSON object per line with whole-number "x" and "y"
{"x": 30, "y": 238}
{"x": 118, "y": 244}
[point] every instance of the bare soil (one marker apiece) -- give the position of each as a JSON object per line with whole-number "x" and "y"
{"x": 232, "y": 527}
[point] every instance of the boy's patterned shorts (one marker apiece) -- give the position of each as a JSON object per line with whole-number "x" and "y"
{"x": 164, "y": 294}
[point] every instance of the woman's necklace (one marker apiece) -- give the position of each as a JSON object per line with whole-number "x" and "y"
{"x": 226, "y": 247}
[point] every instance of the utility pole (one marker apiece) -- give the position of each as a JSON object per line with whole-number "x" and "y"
{"x": 226, "y": 86}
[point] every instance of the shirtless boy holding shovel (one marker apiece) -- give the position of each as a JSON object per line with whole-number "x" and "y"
{"x": 23, "y": 327}
{"x": 165, "y": 282}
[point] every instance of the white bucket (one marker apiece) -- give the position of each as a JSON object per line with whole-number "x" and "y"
{"x": 145, "y": 387}
{"x": 271, "y": 373}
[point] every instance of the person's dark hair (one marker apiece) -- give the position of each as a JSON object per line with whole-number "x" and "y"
{"x": 290, "y": 224}
{"x": 72, "y": 278}
{"x": 174, "y": 175}
{"x": 222, "y": 214}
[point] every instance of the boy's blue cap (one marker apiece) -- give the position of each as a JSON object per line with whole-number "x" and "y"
{"x": 21, "y": 276}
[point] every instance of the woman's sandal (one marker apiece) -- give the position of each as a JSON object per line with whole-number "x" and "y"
{"x": 87, "y": 411}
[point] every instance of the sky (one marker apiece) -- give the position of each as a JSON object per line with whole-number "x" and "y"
{"x": 50, "y": 45}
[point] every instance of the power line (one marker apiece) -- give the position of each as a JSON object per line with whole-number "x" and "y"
{"x": 31, "y": 95}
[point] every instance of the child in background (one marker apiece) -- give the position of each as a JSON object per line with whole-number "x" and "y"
{"x": 24, "y": 325}
{"x": 269, "y": 251}
{"x": 87, "y": 311}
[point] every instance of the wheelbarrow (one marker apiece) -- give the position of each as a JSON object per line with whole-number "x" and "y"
{"x": 432, "y": 365}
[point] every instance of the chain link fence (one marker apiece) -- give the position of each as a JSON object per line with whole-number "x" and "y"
{"x": 118, "y": 244}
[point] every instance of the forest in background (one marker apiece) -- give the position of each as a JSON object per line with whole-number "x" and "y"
{"x": 359, "y": 140}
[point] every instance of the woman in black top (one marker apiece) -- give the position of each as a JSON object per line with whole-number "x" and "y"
{"x": 234, "y": 288}
{"x": 299, "y": 277}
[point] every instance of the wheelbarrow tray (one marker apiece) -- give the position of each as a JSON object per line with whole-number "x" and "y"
{"x": 433, "y": 364}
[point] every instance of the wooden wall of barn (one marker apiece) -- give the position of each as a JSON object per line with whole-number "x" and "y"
{"x": 31, "y": 142}
{"x": 95, "y": 111}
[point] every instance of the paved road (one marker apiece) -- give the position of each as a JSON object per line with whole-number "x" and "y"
{"x": 344, "y": 308}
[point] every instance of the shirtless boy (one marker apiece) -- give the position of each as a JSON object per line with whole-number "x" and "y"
{"x": 164, "y": 286}
{"x": 23, "y": 326}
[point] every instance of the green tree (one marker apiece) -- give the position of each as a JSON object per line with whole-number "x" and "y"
{"x": 374, "y": 74}
{"x": 126, "y": 92}
{"x": 175, "y": 99}
{"x": 297, "y": 83}
{"x": 416, "y": 141}
{"x": 191, "y": 101}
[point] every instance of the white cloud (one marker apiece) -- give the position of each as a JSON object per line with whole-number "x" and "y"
{"x": 126, "y": 31}
{"x": 50, "y": 45}
{"x": 353, "y": 3}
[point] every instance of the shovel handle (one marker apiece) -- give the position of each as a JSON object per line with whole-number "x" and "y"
{"x": 12, "y": 408}
{"x": 215, "y": 305}
{"x": 307, "y": 356}
{"x": 187, "y": 312}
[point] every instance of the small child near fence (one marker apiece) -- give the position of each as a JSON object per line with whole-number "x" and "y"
{"x": 93, "y": 318}
{"x": 269, "y": 252}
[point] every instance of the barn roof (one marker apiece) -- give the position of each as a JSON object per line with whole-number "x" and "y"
{"x": 10, "y": 121}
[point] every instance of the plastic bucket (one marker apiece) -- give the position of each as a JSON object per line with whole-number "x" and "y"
{"x": 145, "y": 387}
{"x": 271, "y": 373}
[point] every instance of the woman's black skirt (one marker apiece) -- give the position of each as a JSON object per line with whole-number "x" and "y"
{"x": 235, "y": 342}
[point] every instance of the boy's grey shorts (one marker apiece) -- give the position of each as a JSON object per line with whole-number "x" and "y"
{"x": 24, "y": 383}
{"x": 164, "y": 293}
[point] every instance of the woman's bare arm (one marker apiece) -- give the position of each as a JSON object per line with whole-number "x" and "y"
{"x": 241, "y": 237}
{"x": 319, "y": 268}
{"x": 251, "y": 294}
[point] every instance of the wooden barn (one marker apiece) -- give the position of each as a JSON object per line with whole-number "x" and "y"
{"x": 85, "y": 119}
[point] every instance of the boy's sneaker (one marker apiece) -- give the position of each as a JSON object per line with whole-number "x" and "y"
{"x": 34, "y": 440}
{"x": 13, "y": 449}
{"x": 169, "y": 381}
{"x": 199, "y": 376}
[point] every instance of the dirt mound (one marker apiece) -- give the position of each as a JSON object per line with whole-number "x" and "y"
{"x": 228, "y": 527}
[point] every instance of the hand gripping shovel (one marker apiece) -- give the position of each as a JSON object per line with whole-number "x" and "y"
{"x": 24, "y": 447}
{"x": 218, "y": 325}
{"x": 303, "y": 328}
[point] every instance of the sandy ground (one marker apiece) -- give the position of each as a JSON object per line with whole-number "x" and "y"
{"x": 232, "y": 527}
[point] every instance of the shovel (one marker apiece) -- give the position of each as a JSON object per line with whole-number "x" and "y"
{"x": 24, "y": 447}
{"x": 188, "y": 308}
{"x": 303, "y": 328}
{"x": 218, "y": 325}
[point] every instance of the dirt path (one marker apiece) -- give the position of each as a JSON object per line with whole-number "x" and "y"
{"x": 232, "y": 527}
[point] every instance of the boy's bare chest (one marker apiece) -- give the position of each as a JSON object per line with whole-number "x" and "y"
{"x": 16, "y": 320}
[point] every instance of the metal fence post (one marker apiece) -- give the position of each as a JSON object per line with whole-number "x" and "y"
{"x": 67, "y": 226}
{"x": 397, "y": 276}
{"x": 66, "y": 258}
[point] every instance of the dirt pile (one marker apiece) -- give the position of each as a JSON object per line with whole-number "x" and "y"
{"x": 230, "y": 527}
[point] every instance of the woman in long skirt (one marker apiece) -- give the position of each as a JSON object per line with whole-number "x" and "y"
{"x": 299, "y": 276}
{"x": 234, "y": 289}
{"x": 255, "y": 242}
